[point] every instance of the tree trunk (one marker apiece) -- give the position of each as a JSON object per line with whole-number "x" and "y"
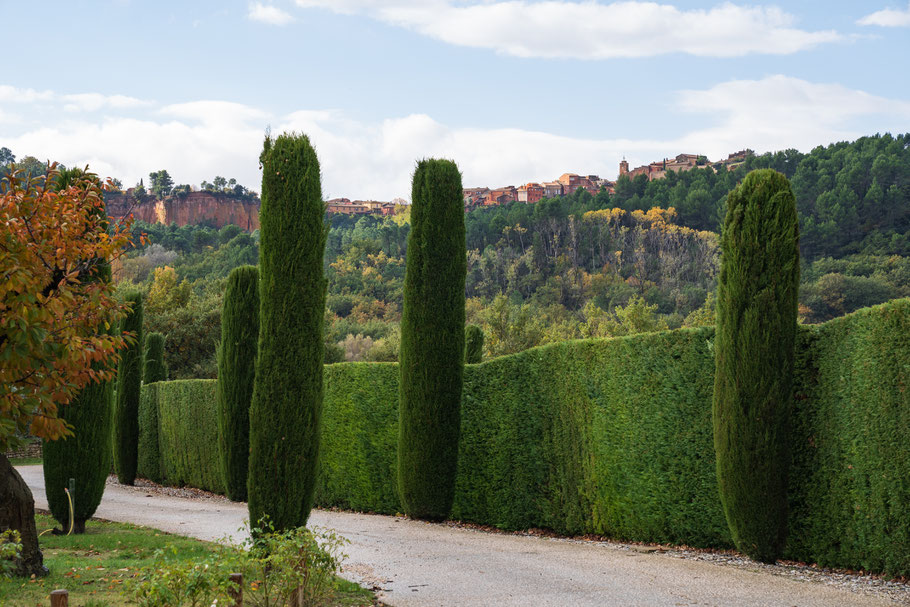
{"x": 17, "y": 511}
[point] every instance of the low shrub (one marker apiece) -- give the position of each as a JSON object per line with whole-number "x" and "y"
{"x": 172, "y": 581}
{"x": 294, "y": 567}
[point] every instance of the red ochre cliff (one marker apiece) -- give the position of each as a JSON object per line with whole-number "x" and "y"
{"x": 217, "y": 210}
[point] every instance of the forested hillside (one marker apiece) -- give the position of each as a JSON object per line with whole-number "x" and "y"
{"x": 642, "y": 259}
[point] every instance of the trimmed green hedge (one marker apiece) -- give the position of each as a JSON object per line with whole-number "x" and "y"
{"x": 615, "y": 437}
{"x": 359, "y": 436}
{"x": 188, "y": 434}
{"x": 601, "y": 436}
{"x": 149, "y": 463}
{"x": 850, "y": 494}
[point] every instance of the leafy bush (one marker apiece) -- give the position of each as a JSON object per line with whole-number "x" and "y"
{"x": 296, "y": 567}
{"x": 177, "y": 582}
{"x": 10, "y": 547}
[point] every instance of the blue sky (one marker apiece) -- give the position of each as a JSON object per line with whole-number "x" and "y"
{"x": 512, "y": 90}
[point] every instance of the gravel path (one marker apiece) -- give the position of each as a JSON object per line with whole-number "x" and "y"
{"x": 412, "y": 563}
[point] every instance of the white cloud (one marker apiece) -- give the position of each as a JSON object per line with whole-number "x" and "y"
{"x": 590, "y": 30}
{"x": 215, "y": 113}
{"x": 92, "y": 102}
{"x": 12, "y": 94}
{"x": 888, "y": 18}
{"x": 266, "y": 13}
{"x": 201, "y": 139}
{"x": 780, "y": 112}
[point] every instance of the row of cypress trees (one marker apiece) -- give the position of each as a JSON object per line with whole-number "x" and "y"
{"x": 756, "y": 319}
{"x": 271, "y": 355}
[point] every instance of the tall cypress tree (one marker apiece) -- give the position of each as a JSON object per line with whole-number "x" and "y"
{"x": 473, "y": 344}
{"x": 155, "y": 369}
{"x": 129, "y": 383}
{"x": 432, "y": 342}
{"x": 84, "y": 457}
{"x": 287, "y": 395}
{"x": 754, "y": 353}
{"x": 236, "y": 372}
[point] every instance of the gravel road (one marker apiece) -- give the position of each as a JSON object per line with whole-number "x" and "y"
{"x": 415, "y": 564}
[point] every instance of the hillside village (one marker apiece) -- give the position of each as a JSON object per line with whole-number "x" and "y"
{"x": 564, "y": 185}
{"x": 220, "y": 209}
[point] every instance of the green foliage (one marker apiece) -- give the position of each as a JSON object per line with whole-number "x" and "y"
{"x": 149, "y": 458}
{"x": 287, "y": 397}
{"x": 155, "y": 369}
{"x": 236, "y": 372}
{"x": 188, "y": 434}
{"x": 10, "y": 544}
{"x": 85, "y": 456}
{"x": 359, "y": 437}
{"x": 292, "y": 567}
{"x": 193, "y": 329}
{"x": 599, "y": 436}
{"x": 850, "y": 506}
{"x": 129, "y": 383}
{"x": 432, "y": 342}
{"x": 161, "y": 184}
{"x": 473, "y": 344}
{"x": 614, "y": 436}
{"x": 173, "y": 581}
{"x": 756, "y": 332}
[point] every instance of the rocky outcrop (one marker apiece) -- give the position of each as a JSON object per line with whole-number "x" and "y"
{"x": 217, "y": 210}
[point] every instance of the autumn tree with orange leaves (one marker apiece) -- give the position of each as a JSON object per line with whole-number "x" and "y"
{"x": 55, "y": 323}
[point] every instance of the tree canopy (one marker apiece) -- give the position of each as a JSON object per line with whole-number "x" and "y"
{"x": 49, "y": 315}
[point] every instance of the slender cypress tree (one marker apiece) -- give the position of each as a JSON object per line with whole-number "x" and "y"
{"x": 129, "y": 383}
{"x": 432, "y": 342}
{"x": 287, "y": 394}
{"x": 473, "y": 344}
{"x": 754, "y": 353}
{"x": 155, "y": 369}
{"x": 84, "y": 457}
{"x": 236, "y": 371}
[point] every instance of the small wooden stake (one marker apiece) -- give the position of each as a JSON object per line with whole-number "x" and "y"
{"x": 237, "y": 594}
{"x": 60, "y": 598}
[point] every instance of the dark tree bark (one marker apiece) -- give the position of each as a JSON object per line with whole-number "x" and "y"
{"x": 17, "y": 511}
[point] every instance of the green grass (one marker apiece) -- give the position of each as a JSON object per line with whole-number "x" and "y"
{"x": 95, "y": 566}
{"x": 26, "y": 461}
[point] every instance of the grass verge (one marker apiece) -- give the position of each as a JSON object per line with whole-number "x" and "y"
{"x": 95, "y": 566}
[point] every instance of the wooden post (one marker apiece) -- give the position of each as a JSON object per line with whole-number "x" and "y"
{"x": 60, "y": 598}
{"x": 237, "y": 594}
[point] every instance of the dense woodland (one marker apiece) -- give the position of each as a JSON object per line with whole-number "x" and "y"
{"x": 642, "y": 259}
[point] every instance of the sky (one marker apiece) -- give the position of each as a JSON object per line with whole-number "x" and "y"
{"x": 513, "y": 90}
